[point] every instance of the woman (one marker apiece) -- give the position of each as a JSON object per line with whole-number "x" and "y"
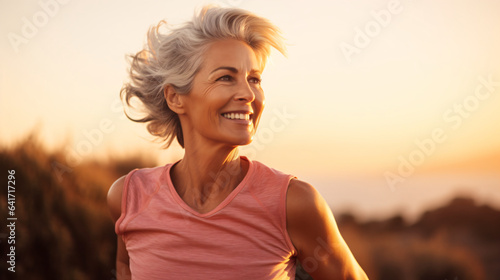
{"x": 215, "y": 214}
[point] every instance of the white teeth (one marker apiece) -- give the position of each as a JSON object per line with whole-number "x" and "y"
{"x": 236, "y": 116}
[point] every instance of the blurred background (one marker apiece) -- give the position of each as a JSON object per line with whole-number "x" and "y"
{"x": 389, "y": 108}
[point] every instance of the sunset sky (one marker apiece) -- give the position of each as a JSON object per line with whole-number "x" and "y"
{"x": 370, "y": 90}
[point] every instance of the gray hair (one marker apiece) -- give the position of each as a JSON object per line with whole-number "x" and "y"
{"x": 175, "y": 58}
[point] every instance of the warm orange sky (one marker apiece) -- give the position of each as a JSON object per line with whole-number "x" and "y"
{"x": 363, "y": 83}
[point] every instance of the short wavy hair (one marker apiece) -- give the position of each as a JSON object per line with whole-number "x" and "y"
{"x": 174, "y": 59}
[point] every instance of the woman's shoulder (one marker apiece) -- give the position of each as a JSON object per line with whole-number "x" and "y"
{"x": 114, "y": 197}
{"x": 300, "y": 193}
{"x": 265, "y": 170}
{"x": 142, "y": 176}
{"x": 144, "y": 181}
{"x": 304, "y": 201}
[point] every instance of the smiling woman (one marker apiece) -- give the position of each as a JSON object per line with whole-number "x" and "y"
{"x": 226, "y": 99}
{"x": 215, "y": 214}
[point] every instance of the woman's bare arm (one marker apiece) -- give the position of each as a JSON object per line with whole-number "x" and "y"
{"x": 114, "y": 205}
{"x": 322, "y": 251}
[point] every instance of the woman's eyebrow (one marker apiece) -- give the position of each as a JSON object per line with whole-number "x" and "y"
{"x": 232, "y": 69}
{"x": 256, "y": 71}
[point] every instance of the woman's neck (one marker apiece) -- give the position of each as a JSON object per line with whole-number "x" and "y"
{"x": 207, "y": 175}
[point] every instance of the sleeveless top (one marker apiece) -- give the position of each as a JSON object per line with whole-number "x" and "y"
{"x": 244, "y": 237}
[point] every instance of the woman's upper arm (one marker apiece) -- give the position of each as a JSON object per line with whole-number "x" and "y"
{"x": 311, "y": 226}
{"x": 114, "y": 205}
{"x": 115, "y": 198}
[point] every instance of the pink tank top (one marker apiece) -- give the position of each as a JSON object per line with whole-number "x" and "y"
{"x": 244, "y": 237}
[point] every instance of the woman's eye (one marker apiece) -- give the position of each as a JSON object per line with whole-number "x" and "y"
{"x": 225, "y": 78}
{"x": 255, "y": 80}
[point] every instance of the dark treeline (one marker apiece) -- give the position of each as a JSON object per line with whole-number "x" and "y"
{"x": 63, "y": 229}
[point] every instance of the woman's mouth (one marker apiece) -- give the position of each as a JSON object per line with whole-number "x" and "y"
{"x": 237, "y": 116}
{"x": 240, "y": 117}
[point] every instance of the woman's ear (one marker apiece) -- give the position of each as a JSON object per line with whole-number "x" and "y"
{"x": 174, "y": 100}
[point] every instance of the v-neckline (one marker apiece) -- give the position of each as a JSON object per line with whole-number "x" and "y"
{"x": 221, "y": 205}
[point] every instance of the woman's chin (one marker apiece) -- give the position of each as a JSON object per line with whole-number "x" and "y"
{"x": 243, "y": 141}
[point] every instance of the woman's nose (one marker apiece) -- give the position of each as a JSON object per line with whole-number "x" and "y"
{"x": 245, "y": 92}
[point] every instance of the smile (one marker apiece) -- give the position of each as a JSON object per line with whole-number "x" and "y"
{"x": 237, "y": 116}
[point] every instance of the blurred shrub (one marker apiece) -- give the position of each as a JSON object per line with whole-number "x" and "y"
{"x": 459, "y": 241}
{"x": 63, "y": 229}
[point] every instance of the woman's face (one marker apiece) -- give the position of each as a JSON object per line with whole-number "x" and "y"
{"x": 226, "y": 101}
